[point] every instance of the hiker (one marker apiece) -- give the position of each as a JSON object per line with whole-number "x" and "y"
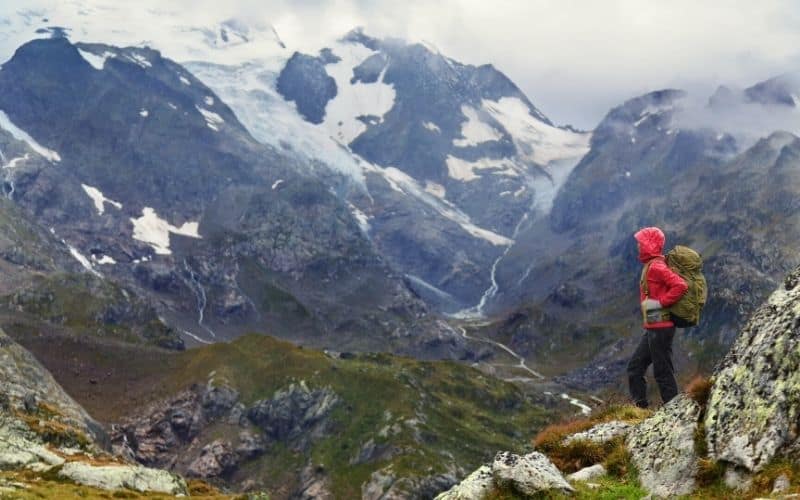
{"x": 659, "y": 288}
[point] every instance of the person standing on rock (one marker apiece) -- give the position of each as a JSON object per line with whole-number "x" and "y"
{"x": 659, "y": 288}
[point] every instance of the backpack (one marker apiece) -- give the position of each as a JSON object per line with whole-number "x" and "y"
{"x": 689, "y": 265}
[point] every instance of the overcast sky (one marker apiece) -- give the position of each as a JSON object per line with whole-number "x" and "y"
{"x": 574, "y": 59}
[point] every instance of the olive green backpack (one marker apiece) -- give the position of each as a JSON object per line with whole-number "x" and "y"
{"x": 689, "y": 265}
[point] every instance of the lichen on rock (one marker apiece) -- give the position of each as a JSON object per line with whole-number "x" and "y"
{"x": 754, "y": 405}
{"x": 662, "y": 448}
{"x": 529, "y": 474}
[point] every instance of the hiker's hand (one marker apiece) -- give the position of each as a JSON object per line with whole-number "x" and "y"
{"x": 650, "y": 304}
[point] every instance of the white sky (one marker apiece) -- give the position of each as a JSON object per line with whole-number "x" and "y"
{"x": 575, "y": 59}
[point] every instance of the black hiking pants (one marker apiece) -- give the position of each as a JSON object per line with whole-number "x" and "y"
{"x": 655, "y": 348}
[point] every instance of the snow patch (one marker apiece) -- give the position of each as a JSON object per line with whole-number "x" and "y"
{"x": 154, "y": 231}
{"x": 98, "y": 62}
{"x": 144, "y": 113}
{"x": 15, "y": 162}
{"x": 21, "y": 135}
{"x": 465, "y": 170}
{"x": 212, "y": 119}
{"x": 99, "y": 199}
{"x": 172, "y": 105}
{"x": 361, "y": 218}
{"x": 81, "y": 259}
{"x": 536, "y": 140}
{"x": 432, "y": 127}
{"x": 208, "y": 100}
{"x": 185, "y": 80}
{"x": 139, "y": 59}
{"x": 354, "y": 99}
{"x": 475, "y": 131}
{"x": 277, "y": 183}
{"x": 105, "y": 259}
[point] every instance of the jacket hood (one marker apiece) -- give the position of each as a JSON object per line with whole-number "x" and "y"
{"x": 651, "y": 243}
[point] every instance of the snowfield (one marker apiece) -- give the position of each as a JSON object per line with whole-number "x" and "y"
{"x": 151, "y": 229}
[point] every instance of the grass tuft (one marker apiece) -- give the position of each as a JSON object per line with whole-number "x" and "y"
{"x": 699, "y": 389}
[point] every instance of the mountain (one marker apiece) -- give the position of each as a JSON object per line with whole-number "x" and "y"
{"x": 154, "y": 183}
{"x": 732, "y": 199}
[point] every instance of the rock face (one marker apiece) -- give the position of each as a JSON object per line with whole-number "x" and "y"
{"x": 755, "y": 401}
{"x": 662, "y": 448}
{"x": 529, "y": 474}
{"x": 155, "y": 438}
{"x": 294, "y": 414}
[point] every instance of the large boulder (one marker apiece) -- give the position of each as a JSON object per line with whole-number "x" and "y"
{"x": 529, "y": 474}
{"x": 662, "y": 448}
{"x": 216, "y": 459}
{"x": 116, "y": 477}
{"x": 754, "y": 404}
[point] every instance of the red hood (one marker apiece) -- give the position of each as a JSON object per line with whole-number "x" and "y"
{"x": 651, "y": 242}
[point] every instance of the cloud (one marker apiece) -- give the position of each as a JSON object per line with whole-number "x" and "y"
{"x": 574, "y": 59}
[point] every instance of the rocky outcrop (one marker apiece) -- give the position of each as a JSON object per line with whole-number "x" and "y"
{"x": 25, "y": 380}
{"x": 314, "y": 484}
{"x": 476, "y": 485}
{"x": 295, "y": 414}
{"x": 118, "y": 476}
{"x": 601, "y": 433}
{"x": 216, "y": 459}
{"x": 155, "y": 438}
{"x": 662, "y": 448}
{"x": 529, "y": 474}
{"x": 754, "y": 404}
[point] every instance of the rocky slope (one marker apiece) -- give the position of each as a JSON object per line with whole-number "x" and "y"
{"x": 259, "y": 414}
{"x": 731, "y": 437}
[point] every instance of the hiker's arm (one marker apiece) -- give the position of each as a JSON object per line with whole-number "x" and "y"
{"x": 676, "y": 286}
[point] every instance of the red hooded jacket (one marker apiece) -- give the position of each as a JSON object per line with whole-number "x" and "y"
{"x": 663, "y": 284}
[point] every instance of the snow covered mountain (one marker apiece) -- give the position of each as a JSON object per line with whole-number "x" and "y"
{"x": 440, "y": 163}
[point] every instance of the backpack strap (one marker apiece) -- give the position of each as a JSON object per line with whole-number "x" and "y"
{"x": 643, "y": 279}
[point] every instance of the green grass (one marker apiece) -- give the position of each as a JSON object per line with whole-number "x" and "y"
{"x": 441, "y": 412}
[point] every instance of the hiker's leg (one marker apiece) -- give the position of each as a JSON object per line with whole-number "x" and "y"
{"x": 663, "y": 370}
{"x": 637, "y": 367}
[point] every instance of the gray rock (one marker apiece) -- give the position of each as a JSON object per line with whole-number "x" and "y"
{"x": 295, "y": 413}
{"x": 115, "y": 477}
{"x": 379, "y": 482}
{"x": 737, "y": 478}
{"x": 26, "y": 381}
{"x": 781, "y": 485}
{"x": 216, "y": 459}
{"x": 601, "y": 433}
{"x": 588, "y": 473}
{"x": 662, "y": 448}
{"x": 251, "y": 445}
{"x": 529, "y": 474}
{"x": 314, "y": 484}
{"x": 754, "y": 403}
